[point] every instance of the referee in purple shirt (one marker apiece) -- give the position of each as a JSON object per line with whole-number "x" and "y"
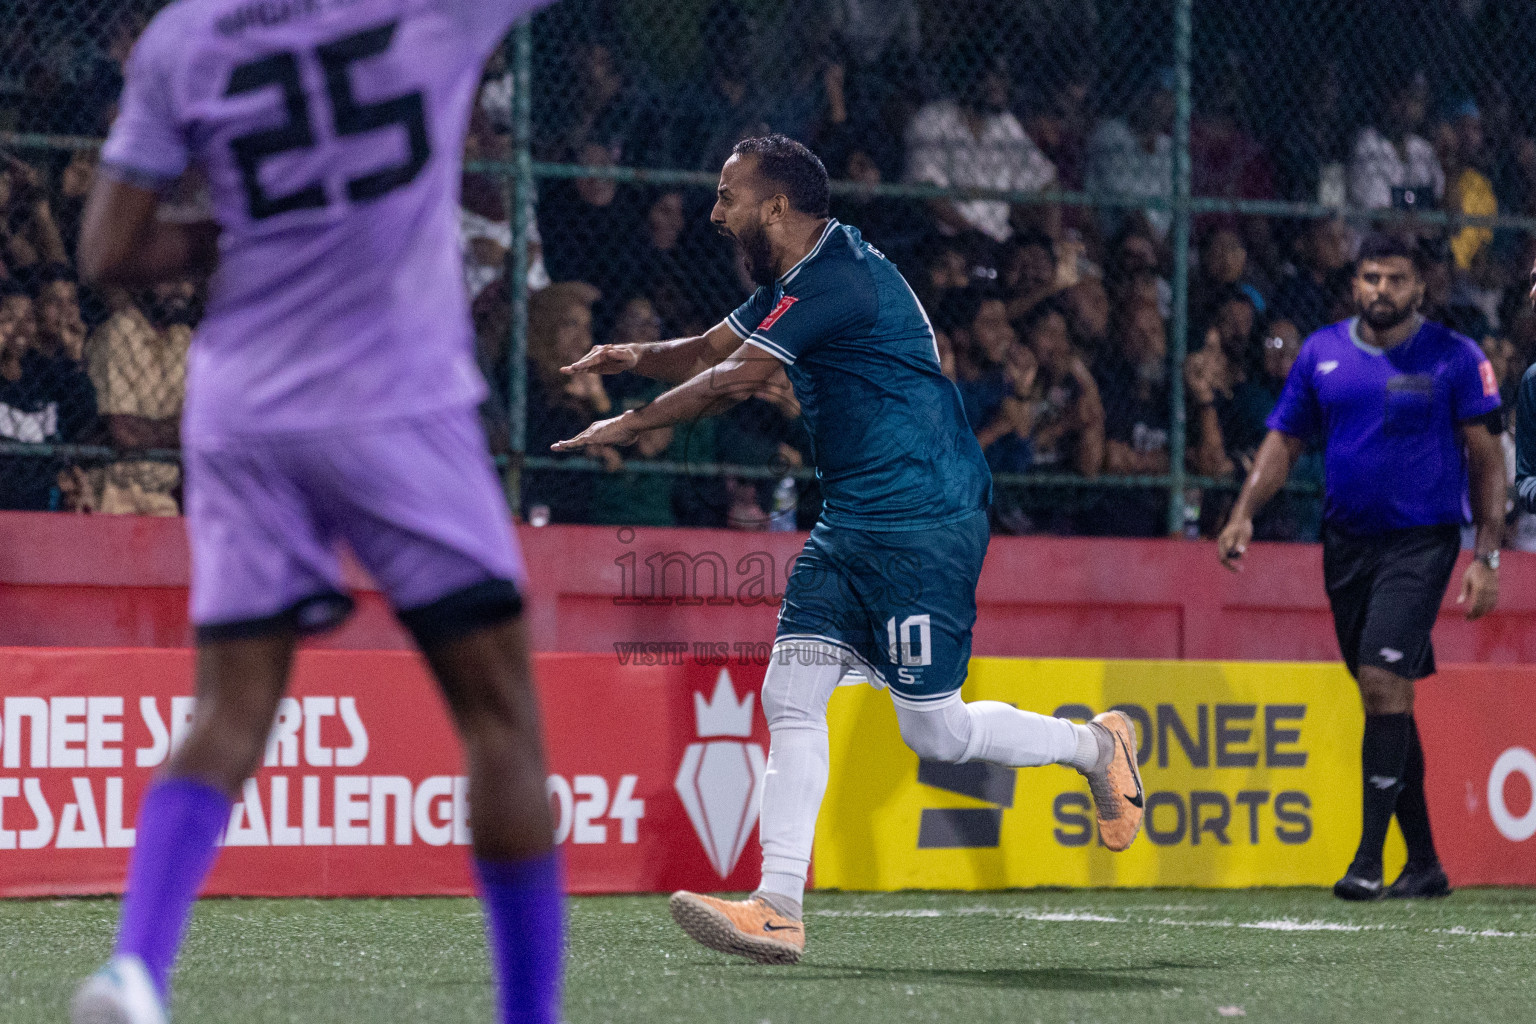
{"x": 1407, "y": 411}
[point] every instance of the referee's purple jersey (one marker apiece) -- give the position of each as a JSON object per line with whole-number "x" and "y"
{"x": 331, "y": 133}
{"x": 1392, "y": 454}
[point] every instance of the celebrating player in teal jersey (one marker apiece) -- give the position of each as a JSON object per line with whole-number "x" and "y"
{"x": 886, "y": 585}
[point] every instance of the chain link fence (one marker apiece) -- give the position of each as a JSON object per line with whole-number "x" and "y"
{"x": 90, "y": 382}
{"x": 1123, "y": 216}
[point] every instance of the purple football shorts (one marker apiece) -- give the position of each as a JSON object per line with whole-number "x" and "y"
{"x": 417, "y": 500}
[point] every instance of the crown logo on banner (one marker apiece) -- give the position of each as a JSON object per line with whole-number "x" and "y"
{"x": 723, "y": 714}
{"x": 720, "y": 781}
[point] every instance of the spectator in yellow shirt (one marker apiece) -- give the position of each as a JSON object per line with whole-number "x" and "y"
{"x": 138, "y": 362}
{"x": 1459, "y": 143}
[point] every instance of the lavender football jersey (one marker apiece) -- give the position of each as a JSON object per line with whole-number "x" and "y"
{"x": 331, "y": 134}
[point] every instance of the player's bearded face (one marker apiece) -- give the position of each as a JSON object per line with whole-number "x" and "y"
{"x": 759, "y": 256}
{"x": 753, "y": 241}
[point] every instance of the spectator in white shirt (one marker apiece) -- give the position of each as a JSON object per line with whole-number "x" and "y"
{"x": 1134, "y": 157}
{"x": 975, "y": 142}
{"x": 1394, "y": 165}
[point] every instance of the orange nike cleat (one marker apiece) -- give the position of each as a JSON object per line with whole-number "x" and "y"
{"x": 750, "y": 928}
{"x": 1117, "y": 793}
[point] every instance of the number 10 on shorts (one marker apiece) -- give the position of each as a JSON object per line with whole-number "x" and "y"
{"x": 903, "y": 647}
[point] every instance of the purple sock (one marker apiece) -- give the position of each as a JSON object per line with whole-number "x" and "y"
{"x": 525, "y": 921}
{"x": 179, "y": 823}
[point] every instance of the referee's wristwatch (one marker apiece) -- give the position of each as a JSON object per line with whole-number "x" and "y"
{"x": 1491, "y": 560}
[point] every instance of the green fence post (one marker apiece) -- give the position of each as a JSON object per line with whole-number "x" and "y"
{"x": 1179, "y": 329}
{"x": 522, "y": 199}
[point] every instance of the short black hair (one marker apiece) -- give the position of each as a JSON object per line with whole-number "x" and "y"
{"x": 1381, "y": 245}
{"x": 794, "y": 169}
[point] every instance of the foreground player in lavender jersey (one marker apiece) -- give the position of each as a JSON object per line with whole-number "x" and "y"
{"x": 331, "y": 398}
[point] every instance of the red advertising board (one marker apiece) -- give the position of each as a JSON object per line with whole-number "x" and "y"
{"x": 655, "y": 762}
{"x": 121, "y": 581}
{"x": 654, "y": 775}
{"x": 1479, "y": 731}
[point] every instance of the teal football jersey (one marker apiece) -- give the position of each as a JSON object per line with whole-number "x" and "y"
{"x": 892, "y": 447}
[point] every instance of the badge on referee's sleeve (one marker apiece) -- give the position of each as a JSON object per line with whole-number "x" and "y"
{"x": 1490, "y": 382}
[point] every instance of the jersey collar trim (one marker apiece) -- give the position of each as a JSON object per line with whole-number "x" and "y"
{"x": 1359, "y": 342}
{"x": 826, "y": 233}
{"x": 1367, "y": 347}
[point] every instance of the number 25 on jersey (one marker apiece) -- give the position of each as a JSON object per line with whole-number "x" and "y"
{"x": 350, "y": 117}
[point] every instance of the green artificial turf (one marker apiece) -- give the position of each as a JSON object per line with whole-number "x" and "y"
{"x": 1123, "y": 956}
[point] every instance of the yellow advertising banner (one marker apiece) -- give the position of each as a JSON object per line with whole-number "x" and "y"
{"x": 1252, "y": 776}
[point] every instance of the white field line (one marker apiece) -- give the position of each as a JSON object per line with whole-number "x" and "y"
{"x": 1486, "y": 933}
{"x": 1087, "y": 917}
{"x": 1288, "y": 925}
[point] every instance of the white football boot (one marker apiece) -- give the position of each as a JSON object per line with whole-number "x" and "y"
{"x": 119, "y": 993}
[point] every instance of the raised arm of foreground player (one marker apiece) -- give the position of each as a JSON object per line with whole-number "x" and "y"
{"x": 123, "y": 239}
{"x": 124, "y": 242}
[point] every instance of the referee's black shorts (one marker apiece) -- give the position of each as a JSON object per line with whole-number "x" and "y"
{"x": 1385, "y": 591}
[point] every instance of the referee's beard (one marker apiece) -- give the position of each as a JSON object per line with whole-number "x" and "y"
{"x": 1383, "y": 315}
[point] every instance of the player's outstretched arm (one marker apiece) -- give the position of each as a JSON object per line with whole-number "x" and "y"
{"x": 740, "y": 376}
{"x": 671, "y": 361}
{"x": 124, "y": 242}
{"x": 1276, "y": 458}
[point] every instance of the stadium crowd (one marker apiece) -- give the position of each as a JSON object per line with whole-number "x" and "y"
{"x": 1053, "y": 317}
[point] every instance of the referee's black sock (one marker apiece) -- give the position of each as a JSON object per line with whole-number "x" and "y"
{"x": 1412, "y": 810}
{"x": 1383, "y": 756}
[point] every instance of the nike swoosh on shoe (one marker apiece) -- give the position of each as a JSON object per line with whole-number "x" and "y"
{"x": 1139, "y": 798}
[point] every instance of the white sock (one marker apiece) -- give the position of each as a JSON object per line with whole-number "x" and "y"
{"x": 800, "y": 681}
{"x": 1002, "y": 734}
{"x": 799, "y": 763}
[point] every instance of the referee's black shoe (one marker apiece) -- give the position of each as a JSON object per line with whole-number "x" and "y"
{"x": 1420, "y": 881}
{"x": 1359, "y": 884}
